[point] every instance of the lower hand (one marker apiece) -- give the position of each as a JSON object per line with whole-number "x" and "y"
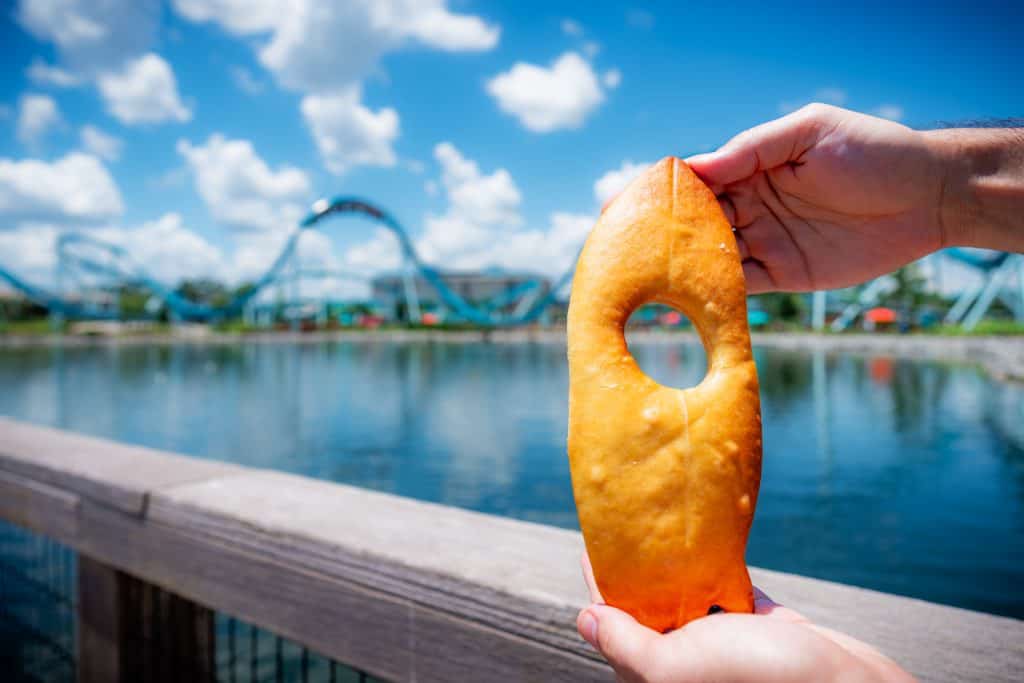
{"x": 773, "y": 644}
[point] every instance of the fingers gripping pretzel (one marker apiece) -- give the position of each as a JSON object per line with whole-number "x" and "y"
{"x": 665, "y": 479}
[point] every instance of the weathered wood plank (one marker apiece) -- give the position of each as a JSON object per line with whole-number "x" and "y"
{"x": 524, "y": 578}
{"x": 933, "y": 641}
{"x": 40, "y": 507}
{"x": 520, "y": 577}
{"x": 106, "y": 471}
{"x": 365, "y": 628}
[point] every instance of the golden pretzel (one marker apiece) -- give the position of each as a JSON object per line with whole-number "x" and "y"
{"x": 665, "y": 479}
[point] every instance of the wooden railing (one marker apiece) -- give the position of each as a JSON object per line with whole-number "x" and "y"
{"x": 402, "y": 589}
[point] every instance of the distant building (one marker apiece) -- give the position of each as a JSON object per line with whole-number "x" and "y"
{"x": 500, "y": 289}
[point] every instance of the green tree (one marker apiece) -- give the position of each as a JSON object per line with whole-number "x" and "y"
{"x": 131, "y": 301}
{"x": 910, "y": 290}
{"x": 783, "y": 306}
{"x": 204, "y": 291}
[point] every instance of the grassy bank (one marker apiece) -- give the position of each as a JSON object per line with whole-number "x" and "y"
{"x": 238, "y": 328}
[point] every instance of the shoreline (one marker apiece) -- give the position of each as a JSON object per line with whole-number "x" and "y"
{"x": 1001, "y": 356}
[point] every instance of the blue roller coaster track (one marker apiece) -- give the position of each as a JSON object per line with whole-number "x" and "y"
{"x": 997, "y": 270}
{"x": 982, "y": 261}
{"x": 111, "y": 261}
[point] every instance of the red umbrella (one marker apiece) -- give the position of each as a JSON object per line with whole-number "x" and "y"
{"x": 881, "y": 315}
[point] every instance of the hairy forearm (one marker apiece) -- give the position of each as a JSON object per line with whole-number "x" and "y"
{"x": 982, "y": 198}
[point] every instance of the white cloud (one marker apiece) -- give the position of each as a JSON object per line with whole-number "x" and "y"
{"x": 171, "y": 178}
{"x": 103, "y": 145}
{"x": 432, "y": 24}
{"x": 591, "y": 48}
{"x": 414, "y": 166}
{"x": 92, "y": 36}
{"x": 75, "y": 188}
{"x": 639, "y": 18}
{"x": 571, "y": 27}
{"x": 254, "y": 253}
{"x": 144, "y": 90}
{"x": 550, "y": 252}
{"x": 105, "y": 42}
{"x": 240, "y": 17}
{"x": 381, "y": 253}
{"x": 474, "y": 197}
{"x": 164, "y": 249}
{"x": 41, "y": 73}
{"x": 482, "y": 225}
{"x": 168, "y": 251}
{"x": 246, "y": 81}
{"x": 326, "y": 49}
{"x": 325, "y": 46}
{"x": 240, "y": 189}
{"x": 611, "y": 78}
{"x": 347, "y": 133}
{"x": 615, "y": 181}
{"x": 832, "y": 95}
{"x": 28, "y": 251}
{"x": 889, "y": 111}
{"x": 545, "y": 99}
{"x": 315, "y": 251}
{"x": 37, "y": 115}
{"x": 836, "y": 96}
{"x": 480, "y": 228}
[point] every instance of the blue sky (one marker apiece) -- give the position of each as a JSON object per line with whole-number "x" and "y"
{"x": 482, "y": 125}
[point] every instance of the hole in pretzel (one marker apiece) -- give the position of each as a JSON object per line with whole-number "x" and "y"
{"x": 666, "y": 346}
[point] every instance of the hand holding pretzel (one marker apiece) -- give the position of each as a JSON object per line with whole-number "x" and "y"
{"x": 825, "y": 197}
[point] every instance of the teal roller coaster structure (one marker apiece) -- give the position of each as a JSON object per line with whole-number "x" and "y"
{"x": 88, "y": 254}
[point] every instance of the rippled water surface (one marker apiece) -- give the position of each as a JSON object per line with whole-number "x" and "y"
{"x": 899, "y": 475}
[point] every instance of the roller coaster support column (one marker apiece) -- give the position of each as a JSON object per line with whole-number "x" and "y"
{"x": 412, "y": 300}
{"x": 963, "y": 303}
{"x": 56, "y": 312}
{"x": 527, "y": 302}
{"x": 1020, "y": 286}
{"x": 818, "y": 300}
{"x": 293, "y": 298}
{"x": 996, "y": 282}
{"x": 1018, "y": 310}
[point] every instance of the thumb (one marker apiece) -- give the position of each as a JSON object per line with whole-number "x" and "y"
{"x": 762, "y": 147}
{"x": 627, "y": 645}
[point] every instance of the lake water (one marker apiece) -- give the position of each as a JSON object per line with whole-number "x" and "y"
{"x": 898, "y": 475}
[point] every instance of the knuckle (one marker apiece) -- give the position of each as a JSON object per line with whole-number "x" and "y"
{"x": 817, "y": 110}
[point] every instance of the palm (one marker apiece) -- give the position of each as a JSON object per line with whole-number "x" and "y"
{"x": 774, "y": 644}
{"x": 778, "y": 645}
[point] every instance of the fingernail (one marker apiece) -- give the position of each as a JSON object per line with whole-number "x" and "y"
{"x": 589, "y": 628}
{"x": 761, "y": 598}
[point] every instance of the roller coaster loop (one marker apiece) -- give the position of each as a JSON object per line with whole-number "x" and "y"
{"x": 112, "y": 261}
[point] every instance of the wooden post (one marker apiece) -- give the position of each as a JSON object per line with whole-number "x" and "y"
{"x": 130, "y": 630}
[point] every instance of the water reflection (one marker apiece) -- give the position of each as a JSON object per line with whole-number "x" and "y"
{"x": 899, "y": 475}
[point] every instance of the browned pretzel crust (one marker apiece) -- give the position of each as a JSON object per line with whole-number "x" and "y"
{"x": 665, "y": 479}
